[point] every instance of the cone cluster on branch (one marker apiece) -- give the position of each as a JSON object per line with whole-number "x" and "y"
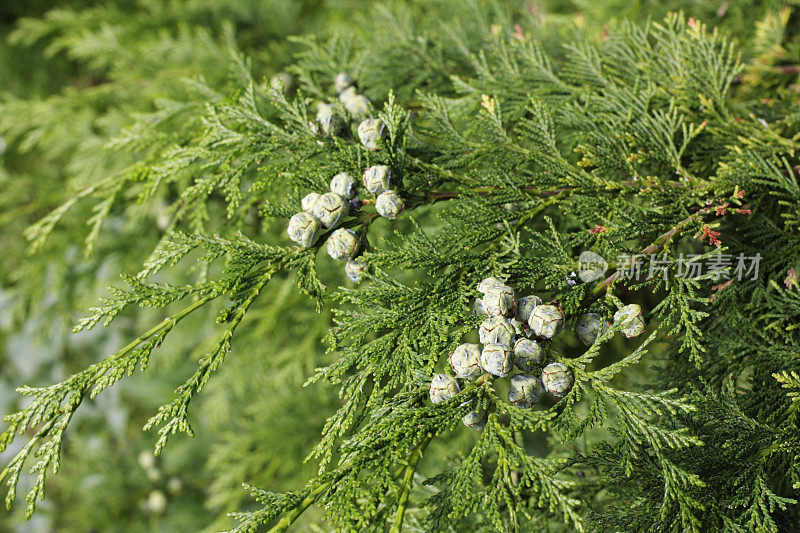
{"x": 328, "y": 210}
{"x": 513, "y": 336}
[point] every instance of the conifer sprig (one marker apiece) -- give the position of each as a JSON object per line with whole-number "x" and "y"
{"x": 513, "y": 152}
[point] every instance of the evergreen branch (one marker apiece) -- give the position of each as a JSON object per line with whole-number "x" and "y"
{"x": 318, "y": 489}
{"x": 659, "y": 244}
{"x": 434, "y": 197}
{"x": 408, "y": 478}
{"x": 789, "y": 380}
{"x": 307, "y": 502}
{"x": 54, "y": 405}
{"x": 41, "y": 230}
{"x": 173, "y": 417}
{"x": 490, "y": 124}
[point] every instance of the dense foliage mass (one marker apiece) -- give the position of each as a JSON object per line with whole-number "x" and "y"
{"x": 515, "y": 139}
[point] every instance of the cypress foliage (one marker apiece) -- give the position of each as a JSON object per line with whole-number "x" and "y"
{"x": 519, "y": 138}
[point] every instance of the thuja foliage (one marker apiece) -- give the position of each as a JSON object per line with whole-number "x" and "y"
{"x": 61, "y": 104}
{"x": 517, "y": 141}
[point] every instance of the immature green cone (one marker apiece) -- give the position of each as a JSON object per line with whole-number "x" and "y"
{"x": 370, "y": 132}
{"x": 156, "y": 502}
{"x": 545, "y": 321}
{"x": 174, "y": 485}
{"x": 147, "y": 460}
{"x": 355, "y": 270}
{"x": 309, "y": 201}
{"x": 328, "y": 123}
{"x": 589, "y": 326}
{"x": 342, "y": 244}
{"x": 525, "y": 307}
{"x": 497, "y": 359}
{"x": 443, "y": 387}
{"x": 557, "y": 379}
{"x": 496, "y": 329}
{"x": 347, "y": 93}
{"x": 475, "y": 420}
{"x": 377, "y": 178}
{"x": 631, "y": 319}
{"x": 524, "y": 390}
{"x": 303, "y": 229}
{"x": 330, "y": 209}
{"x": 344, "y": 185}
{"x": 342, "y": 81}
{"x": 528, "y": 355}
{"x": 465, "y": 361}
{"x": 357, "y": 105}
{"x": 488, "y": 283}
{"x": 500, "y": 300}
{"x": 389, "y": 205}
{"x": 282, "y": 82}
